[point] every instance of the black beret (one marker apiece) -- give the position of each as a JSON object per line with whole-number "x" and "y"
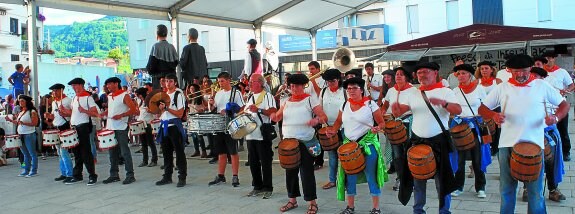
{"x": 541, "y": 59}
{"x": 485, "y": 63}
{"x": 252, "y": 42}
{"x": 540, "y": 71}
{"x": 356, "y": 80}
{"x": 355, "y": 71}
{"x": 389, "y": 72}
{"x": 57, "y": 86}
{"x": 464, "y": 67}
{"x": 298, "y": 79}
{"x": 519, "y": 61}
{"x": 549, "y": 54}
{"x": 431, "y": 65}
{"x": 142, "y": 91}
{"x": 113, "y": 79}
{"x": 77, "y": 80}
{"x": 25, "y": 97}
{"x": 408, "y": 75}
{"x": 331, "y": 74}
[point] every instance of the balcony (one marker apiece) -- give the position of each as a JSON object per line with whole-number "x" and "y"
{"x": 8, "y": 39}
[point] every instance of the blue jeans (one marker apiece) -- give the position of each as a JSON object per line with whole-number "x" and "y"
{"x": 419, "y": 189}
{"x": 29, "y": 152}
{"x": 92, "y": 142}
{"x": 370, "y": 174}
{"x": 16, "y": 92}
{"x": 65, "y": 162}
{"x": 332, "y": 165}
{"x": 508, "y": 187}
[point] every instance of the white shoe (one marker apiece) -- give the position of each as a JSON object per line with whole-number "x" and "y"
{"x": 481, "y": 194}
{"x": 456, "y": 193}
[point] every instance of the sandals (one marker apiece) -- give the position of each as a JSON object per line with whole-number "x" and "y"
{"x": 375, "y": 211}
{"x": 289, "y": 206}
{"x": 329, "y": 185}
{"x": 312, "y": 209}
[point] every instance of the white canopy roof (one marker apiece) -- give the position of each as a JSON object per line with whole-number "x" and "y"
{"x": 304, "y": 15}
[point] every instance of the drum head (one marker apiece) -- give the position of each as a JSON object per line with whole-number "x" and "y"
{"x": 527, "y": 148}
{"x": 393, "y": 124}
{"x": 288, "y": 144}
{"x": 459, "y": 128}
{"x": 419, "y": 151}
{"x": 347, "y": 148}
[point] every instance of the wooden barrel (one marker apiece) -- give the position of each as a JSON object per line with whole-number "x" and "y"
{"x": 547, "y": 151}
{"x": 462, "y": 137}
{"x": 491, "y": 125}
{"x": 351, "y": 158}
{"x": 327, "y": 143}
{"x": 388, "y": 117}
{"x": 289, "y": 156}
{"x": 421, "y": 162}
{"x": 525, "y": 161}
{"x": 396, "y": 132}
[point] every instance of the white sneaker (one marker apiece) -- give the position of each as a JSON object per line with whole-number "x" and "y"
{"x": 481, "y": 194}
{"x": 456, "y": 193}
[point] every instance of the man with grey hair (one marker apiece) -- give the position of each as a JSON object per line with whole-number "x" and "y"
{"x": 193, "y": 60}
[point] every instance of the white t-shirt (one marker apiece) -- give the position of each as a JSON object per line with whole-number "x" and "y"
{"x": 58, "y": 119}
{"x": 25, "y": 116}
{"x": 179, "y": 104}
{"x": 117, "y": 106}
{"x": 357, "y": 123}
{"x": 144, "y": 114}
{"x": 331, "y": 103}
{"x": 503, "y": 75}
{"x": 295, "y": 118}
{"x": 267, "y": 103}
{"x": 474, "y": 98}
{"x": 488, "y": 89}
{"x": 223, "y": 97}
{"x": 309, "y": 89}
{"x": 524, "y": 115}
{"x": 559, "y": 79}
{"x": 424, "y": 124}
{"x": 376, "y": 80}
{"x": 86, "y": 102}
{"x": 391, "y": 97}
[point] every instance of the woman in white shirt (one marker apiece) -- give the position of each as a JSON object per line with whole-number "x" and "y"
{"x": 300, "y": 113}
{"x": 486, "y": 74}
{"x": 469, "y": 95}
{"x": 27, "y": 120}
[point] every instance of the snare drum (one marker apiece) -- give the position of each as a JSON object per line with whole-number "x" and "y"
{"x": 69, "y": 139}
{"x": 155, "y": 124}
{"x": 51, "y": 137}
{"x": 13, "y": 141}
{"x": 137, "y": 128}
{"x": 241, "y": 126}
{"x": 106, "y": 139}
{"x": 207, "y": 123}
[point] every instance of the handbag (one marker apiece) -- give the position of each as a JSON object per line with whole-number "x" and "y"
{"x": 483, "y": 128}
{"x": 267, "y": 129}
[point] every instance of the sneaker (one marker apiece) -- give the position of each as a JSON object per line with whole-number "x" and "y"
{"x": 348, "y": 210}
{"x": 217, "y": 180}
{"x": 61, "y": 178}
{"x": 456, "y": 193}
{"x": 181, "y": 182}
{"x": 196, "y": 154}
{"x": 111, "y": 180}
{"x": 152, "y": 164}
{"x": 162, "y": 167}
{"x": 396, "y": 185}
{"x": 129, "y": 180}
{"x": 375, "y": 211}
{"x": 254, "y": 192}
{"x": 23, "y": 174}
{"x": 317, "y": 167}
{"x": 391, "y": 169}
{"x": 241, "y": 148}
{"x": 267, "y": 195}
{"x": 213, "y": 160}
{"x": 556, "y": 195}
{"x": 481, "y": 194}
{"x": 164, "y": 181}
{"x": 92, "y": 182}
{"x": 235, "y": 181}
{"x": 567, "y": 158}
{"x": 32, "y": 174}
{"x": 525, "y": 195}
{"x": 143, "y": 164}
{"x": 70, "y": 181}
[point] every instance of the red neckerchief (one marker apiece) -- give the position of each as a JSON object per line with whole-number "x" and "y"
{"x": 333, "y": 90}
{"x": 406, "y": 86}
{"x": 360, "y": 103}
{"x": 515, "y": 83}
{"x": 83, "y": 94}
{"x": 468, "y": 88}
{"x": 431, "y": 87}
{"x": 487, "y": 81}
{"x": 551, "y": 69}
{"x": 297, "y": 98}
{"x": 60, "y": 98}
{"x": 118, "y": 92}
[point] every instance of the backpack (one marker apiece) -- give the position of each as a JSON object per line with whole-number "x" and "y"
{"x": 186, "y": 107}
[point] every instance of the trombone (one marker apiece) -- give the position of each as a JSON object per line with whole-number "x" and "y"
{"x": 215, "y": 87}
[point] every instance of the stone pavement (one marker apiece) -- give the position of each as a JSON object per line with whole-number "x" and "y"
{"x": 42, "y": 194}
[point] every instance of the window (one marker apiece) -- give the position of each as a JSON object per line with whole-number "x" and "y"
{"x": 412, "y": 19}
{"x": 143, "y": 24}
{"x": 452, "y": 14}
{"x": 14, "y": 26}
{"x": 205, "y": 40}
{"x": 141, "y": 49}
{"x": 544, "y": 10}
{"x": 14, "y": 57}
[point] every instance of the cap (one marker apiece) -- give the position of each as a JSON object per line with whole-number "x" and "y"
{"x": 57, "y": 86}
{"x": 298, "y": 79}
{"x": 431, "y": 65}
{"x": 519, "y": 61}
{"x": 331, "y": 74}
{"x": 113, "y": 79}
{"x": 77, "y": 80}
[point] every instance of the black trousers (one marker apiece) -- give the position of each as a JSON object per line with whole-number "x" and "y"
{"x": 147, "y": 139}
{"x": 318, "y": 161}
{"x": 495, "y": 137}
{"x": 562, "y": 126}
{"x": 83, "y": 153}
{"x": 260, "y": 156}
{"x": 305, "y": 168}
{"x": 475, "y": 154}
{"x": 172, "y": 141}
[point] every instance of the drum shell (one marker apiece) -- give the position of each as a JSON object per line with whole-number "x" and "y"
{"x": 241, "y": 126}
{"x": 463, "y": 137}
{"x": 50, "y": 137}
{"x": 421, "y": 162}
{"x": 69, "y": 139}
{"x": 106, "y": 139}
{"x": 526, "y": 161}
{"x": 207, "y": 123}
{"x": 137, "y": 128}
{"x": 289, "y": 153}
{"x": 395, "y": 132}
{"x": 327, "y": 143}
{"x": 12, "y": 142}
{"x": 351, "y": 158}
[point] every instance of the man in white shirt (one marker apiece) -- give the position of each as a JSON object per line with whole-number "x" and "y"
{"x": 560, "y": 79}
{"x": 521, "y": 124}
{"x": 373, "y": 82}
{"x": 171, "y": 134}
{"x": 120, "y": 107}
{"x": 260, "y": 155}
{"x": 61, "y": 121}
{"x": 313, "y": 88}
{"x": 228, "y": 101}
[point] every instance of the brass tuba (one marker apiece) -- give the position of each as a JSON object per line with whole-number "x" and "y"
{"x": 343, "y": 59}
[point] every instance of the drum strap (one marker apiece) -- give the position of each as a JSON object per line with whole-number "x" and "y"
{"x": 444, "y": 131}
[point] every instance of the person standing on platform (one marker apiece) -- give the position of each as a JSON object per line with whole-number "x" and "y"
{"x": 163, "y": 58}
{"x": 17, "y": 81}
{"x": 193, "y": 60}
{"x": 252, "y": 60}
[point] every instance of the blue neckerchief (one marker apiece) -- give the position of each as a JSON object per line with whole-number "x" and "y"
{"x": 164, "y": 129}
{"x": 485, "y": 148}
{"x": 558, "y": 159}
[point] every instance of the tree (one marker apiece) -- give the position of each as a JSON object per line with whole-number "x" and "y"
{"x": 116, "y": 54}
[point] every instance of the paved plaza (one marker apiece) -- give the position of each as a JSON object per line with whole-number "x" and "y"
{"x": 42, "y": 194}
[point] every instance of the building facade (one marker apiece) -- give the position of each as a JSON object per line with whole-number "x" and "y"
{"x": 14, "y": 32}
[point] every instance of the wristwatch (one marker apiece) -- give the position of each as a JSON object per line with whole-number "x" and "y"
{"x": 260, "y": 111}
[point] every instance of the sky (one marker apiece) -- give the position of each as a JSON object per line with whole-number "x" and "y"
{"x": 64, "y": 17}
